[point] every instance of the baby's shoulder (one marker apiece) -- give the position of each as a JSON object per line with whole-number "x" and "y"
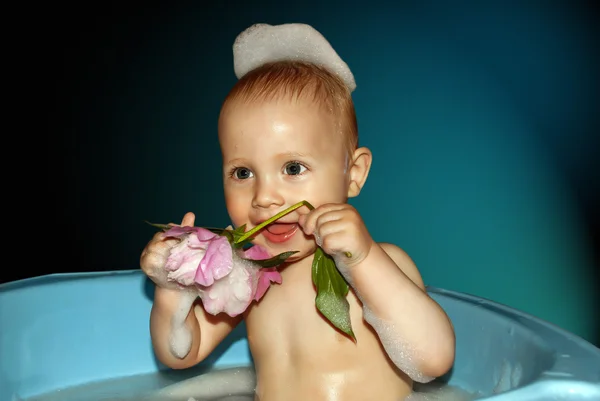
{"x": 403, "y": 261}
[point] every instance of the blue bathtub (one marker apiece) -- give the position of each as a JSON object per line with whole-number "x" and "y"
{"x": 65, "y": 330}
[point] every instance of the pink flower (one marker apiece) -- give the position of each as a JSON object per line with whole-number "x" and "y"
{"x": 265, "y": 276}
{"x": 201, "y": 257}
{"x": 226, "y": 280}
{"x": 247, "y": 282}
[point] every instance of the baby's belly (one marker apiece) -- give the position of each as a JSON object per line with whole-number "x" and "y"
{"x": 299, "y": 356}
{"x": 282, "y": 381}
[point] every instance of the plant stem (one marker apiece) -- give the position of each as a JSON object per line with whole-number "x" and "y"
{"x": 279, "y": 215}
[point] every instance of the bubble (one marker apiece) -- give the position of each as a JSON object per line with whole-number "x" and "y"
{"x": 264, "y": 43}
{"x": 181, "y": 335}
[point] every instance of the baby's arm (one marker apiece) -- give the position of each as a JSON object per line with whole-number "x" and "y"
{"x": 414, "y": 330}
{"x": 183, "y": 334}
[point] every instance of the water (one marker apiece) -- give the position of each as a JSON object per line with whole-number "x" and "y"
{"x": 232, "y": 384}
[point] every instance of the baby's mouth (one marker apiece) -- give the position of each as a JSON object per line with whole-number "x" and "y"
{"x": 280, "y": 232}
{"x": 280, "y": 228}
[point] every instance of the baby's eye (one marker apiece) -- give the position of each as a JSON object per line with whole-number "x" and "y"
{"x": 294, "y": 168}
{"x": 241, "y": 173}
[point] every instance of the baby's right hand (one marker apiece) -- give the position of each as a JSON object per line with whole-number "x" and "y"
{"x": 155, "y": 254}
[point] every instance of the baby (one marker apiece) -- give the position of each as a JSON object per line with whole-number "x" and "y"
{"x": 288, "y": 132}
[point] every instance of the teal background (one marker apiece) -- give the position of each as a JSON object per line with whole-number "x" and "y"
{"x": 480, "y": 116}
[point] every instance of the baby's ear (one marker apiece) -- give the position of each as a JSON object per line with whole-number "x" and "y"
{"x": 359, "y": 170}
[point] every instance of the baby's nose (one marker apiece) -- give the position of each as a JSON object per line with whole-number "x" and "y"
{"x": 267, "y": 195}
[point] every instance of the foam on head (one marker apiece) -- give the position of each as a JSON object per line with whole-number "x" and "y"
{"x": 263, "y": 43}
{"x": 293, "y": 62}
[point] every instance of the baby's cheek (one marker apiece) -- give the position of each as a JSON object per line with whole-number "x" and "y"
{"x": 237, "y": 220}
{"x": 237, "y": 208}
{"x": 312, "y": 248}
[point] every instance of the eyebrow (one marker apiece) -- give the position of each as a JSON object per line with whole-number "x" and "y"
{"x": 294, "y": 155}
{"x": 239, "y": 160}
{"x": 283, "y": 155}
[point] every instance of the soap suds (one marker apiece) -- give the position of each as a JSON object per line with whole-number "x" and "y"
{"x": 181, "y": 335}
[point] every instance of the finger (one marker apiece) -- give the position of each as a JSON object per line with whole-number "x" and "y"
{"x": 152, "y": 260}
{"x": 308, "y": 221}
{"x": 328, "y": 226}
{"x": 162, "y": 246}
{"x": 335, "y": 242}
{"x": 322, "y": 215}
{"x": 188, "y": 219}
{"x": 302, "y": 221}
{"x": 329, "y": 216}
{"x": 161, "y": 238}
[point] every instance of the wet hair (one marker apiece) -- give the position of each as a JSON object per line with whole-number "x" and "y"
{"x": 295, "y": 80}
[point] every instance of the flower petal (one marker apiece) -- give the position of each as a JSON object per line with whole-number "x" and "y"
{"x": 178, "y": 231}
{"x": 256, "y": 252}
{"x": 265, "y": 277}
{"x": 184, "y": 276}
{"x": 183, "y": 261}
{"x": 204, "y": 235}
{"x": 231, "y": 294}
{"x": 217, "y": 263}
{"x": 182, "y": 254}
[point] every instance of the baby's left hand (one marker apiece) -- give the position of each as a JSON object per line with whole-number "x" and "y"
{"x": 338, "y": 230}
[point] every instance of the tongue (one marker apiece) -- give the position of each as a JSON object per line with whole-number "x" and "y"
{"x": 280, "y": 228}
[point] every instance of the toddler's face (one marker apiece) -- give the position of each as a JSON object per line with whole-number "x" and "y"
{"x": 276, "y": 154}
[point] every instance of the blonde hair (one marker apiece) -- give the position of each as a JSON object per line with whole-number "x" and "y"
{"x": 295, "y": 80}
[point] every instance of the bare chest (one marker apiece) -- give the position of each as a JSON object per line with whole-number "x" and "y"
{"x": 289, "y": 339}
{"x": 287, "y": 322}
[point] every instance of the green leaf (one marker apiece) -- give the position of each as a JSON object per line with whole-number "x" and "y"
{"x": 167, "y": 227}
{"x": 236, "y": 239}
{"x": 274, "y": 261}
{"x": 163, "y": 227}
{"x": 332, "y": 290}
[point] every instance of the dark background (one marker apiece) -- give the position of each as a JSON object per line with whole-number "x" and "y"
{"x": 482, "y": 116}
